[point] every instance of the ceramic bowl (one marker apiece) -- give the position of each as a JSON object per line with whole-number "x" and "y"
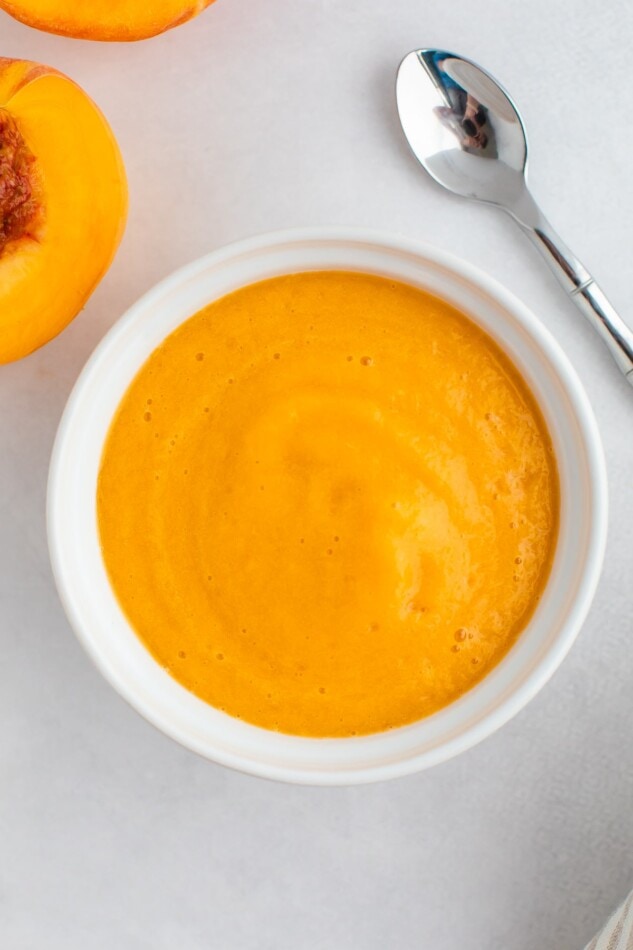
{"x": 100, "y": 624}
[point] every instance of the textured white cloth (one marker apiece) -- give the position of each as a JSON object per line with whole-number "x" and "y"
{"x": 618, "y": 932}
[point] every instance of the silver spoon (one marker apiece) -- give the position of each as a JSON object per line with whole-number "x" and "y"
{"x": 467, "y": 133}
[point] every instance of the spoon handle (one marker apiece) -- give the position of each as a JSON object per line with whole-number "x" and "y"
{"x": 577, "y": 282}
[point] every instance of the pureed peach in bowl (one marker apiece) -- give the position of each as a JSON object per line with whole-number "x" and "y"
{"x": 327, "y": 506}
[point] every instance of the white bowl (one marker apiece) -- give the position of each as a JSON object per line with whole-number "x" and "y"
{"x": 105, "y": 633}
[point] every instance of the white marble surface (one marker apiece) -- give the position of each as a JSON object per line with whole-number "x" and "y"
{"x": 261, "y": 115}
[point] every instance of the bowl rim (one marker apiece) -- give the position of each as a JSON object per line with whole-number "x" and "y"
{"x": 596, "y": 468}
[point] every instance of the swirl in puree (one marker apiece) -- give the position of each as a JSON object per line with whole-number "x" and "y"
{"x": 328, "y": 504}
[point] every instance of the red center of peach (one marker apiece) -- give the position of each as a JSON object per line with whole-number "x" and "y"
{"x": 18, "y": 205}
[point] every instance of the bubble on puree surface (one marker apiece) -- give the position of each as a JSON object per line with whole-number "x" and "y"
{"x": 328, "y": 504}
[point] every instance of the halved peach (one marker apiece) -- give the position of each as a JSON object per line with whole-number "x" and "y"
{"x": 63, "y": 203}
{"x": 105, "y": 19}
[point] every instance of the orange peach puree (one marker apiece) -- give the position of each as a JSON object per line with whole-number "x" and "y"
{"x": 328, "y": 504}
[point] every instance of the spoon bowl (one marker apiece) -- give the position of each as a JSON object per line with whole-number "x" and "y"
{"x": 462, "y": 127}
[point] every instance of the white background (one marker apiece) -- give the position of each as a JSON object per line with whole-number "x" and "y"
{"x": 269, "y": 114}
